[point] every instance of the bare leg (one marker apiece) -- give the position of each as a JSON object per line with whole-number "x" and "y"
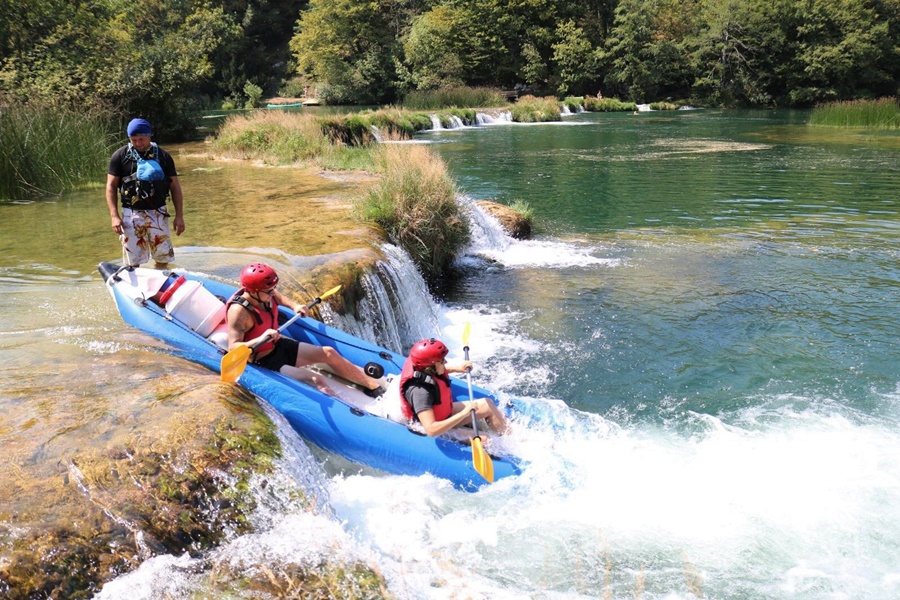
{"x": 309, "y": 377}
{"x": 309, "y": 354}
{"x": 490, "y": 413}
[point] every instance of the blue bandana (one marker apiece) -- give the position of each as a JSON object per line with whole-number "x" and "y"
{"x": 139, "y": 127}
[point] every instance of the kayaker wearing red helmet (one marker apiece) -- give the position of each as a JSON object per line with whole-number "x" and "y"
{"x": 253, "y": 317}
{"x": 425, "y": 392}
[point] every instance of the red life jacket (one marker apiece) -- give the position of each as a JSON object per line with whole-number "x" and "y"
{"x": 439, "y": 384}
{"x": 264, "y": 321}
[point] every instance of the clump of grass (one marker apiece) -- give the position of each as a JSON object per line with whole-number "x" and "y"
{"x": 663, "y": 106}
{"x": 48, "y": 149}
{"x": 594, "y": 104}
{"x": 272, "y": 136}
{"x": 883, "y": 113}
{"x": 524, "y": 209}
{"x": 415, "y": 203}
{"x": 531, "y": 109}
{"x": 458, "y": 97}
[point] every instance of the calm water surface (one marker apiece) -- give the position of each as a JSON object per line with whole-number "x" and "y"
{"x": 707, "y": 314}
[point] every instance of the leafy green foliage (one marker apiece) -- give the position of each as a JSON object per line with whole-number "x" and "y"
{"x": 347, "y": 47}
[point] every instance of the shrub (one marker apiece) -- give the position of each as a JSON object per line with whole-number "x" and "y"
{"x": 254, "y": 94}
{"x": 607, "y": 105}
{"x": 531, "y": 109}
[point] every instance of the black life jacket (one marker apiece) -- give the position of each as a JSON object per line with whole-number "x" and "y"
{"x": 147, "y": 187}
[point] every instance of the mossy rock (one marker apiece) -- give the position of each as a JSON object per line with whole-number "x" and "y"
{"x": 512, "y": 222}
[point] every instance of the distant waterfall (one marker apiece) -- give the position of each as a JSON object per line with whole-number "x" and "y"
{"x": 397, "y": 309}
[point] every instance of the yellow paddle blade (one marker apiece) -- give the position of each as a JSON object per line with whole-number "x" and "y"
{"x": 466, "y": 330}
{"x": 234, "y": 363}
{"x": 483, "y": 463}
{"x": 333, "y": 290}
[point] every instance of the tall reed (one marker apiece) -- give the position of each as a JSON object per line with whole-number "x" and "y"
{"x": 883, "y": 113}
{"x": 48, "y": 150}
{"x": 455, "y": 97}
{"x": 415, "y": 203}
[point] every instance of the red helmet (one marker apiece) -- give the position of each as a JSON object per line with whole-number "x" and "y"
{"x": 425, "y": 353}
{"x": 258, "y": 277}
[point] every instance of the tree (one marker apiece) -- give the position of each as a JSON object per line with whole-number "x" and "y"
{"x": 348, "y": 48}
{"x": 574, "y": 60}
{"x": 647, "y": 55}
{"x": 845, "y": 49}
{"x": 434, "y": 53}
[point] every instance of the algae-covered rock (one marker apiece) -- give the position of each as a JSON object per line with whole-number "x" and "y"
{"x": 513, "y": 222}
{"x": 171, "y": 466}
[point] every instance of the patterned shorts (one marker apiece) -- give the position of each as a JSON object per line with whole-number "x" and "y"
{"x": 146, "y": 235}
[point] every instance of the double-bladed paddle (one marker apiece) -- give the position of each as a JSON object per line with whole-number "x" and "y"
{"x": 234, "y": 363}
{"x": 482, "y": 461}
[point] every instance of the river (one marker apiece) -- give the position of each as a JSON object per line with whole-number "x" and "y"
{"x": 706, "y": 320}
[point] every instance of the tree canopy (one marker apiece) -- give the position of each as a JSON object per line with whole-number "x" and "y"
{"x": 165, "y": 58}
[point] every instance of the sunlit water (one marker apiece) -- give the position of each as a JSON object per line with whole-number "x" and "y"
{"x": 703, "y": 334}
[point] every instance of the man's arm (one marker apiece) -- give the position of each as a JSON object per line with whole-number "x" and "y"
{"x": 177, "y": 201}
{"x": 112, "y": 202}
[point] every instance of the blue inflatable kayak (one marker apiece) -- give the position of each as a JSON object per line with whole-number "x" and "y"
{"x": 188, "y": 313}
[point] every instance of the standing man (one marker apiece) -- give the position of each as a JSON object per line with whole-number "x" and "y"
{"x": 143, "y": 175}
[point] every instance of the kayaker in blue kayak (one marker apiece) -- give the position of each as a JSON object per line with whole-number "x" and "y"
{"x": 252, "y": 319}
{"x": 426, "y": 397}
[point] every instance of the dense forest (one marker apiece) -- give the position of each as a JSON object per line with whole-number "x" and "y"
{"x": 167, "y": 59}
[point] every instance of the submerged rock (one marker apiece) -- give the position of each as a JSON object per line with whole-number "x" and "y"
{"x": 174, "y": 467}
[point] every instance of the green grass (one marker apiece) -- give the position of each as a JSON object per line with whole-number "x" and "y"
{"x": 883, "y": 113}
{"x": 531, "y": 109}
{"x": 415, "y": 204}
{"x": 455, "y": 97}
{"x": 594, "y": 104}
{"x": 48, "y": 150}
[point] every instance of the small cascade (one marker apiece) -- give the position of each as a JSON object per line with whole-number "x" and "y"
{"x": 376, "y": 133}
{"x": 487, "y": 233}
{"x": 398, "y": 310}
{"x": 565, "y": 110}
{"x": 456, "y": 122}
{"x": 488, "y": 119}
{"x": 436, "y": 123}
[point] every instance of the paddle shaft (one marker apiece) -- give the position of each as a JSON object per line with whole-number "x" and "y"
{"x": 471, "y": 395}
{"x": 290, "y": 322}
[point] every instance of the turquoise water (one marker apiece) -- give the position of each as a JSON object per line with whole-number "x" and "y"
{"x": 755, "y": 257}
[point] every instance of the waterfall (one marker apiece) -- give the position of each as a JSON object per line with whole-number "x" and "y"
{"x": 487, "y": 233}
{"x": 488, "y": 119}
{"x": 436, "y": 123}
{"x": 397, "y": 310}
